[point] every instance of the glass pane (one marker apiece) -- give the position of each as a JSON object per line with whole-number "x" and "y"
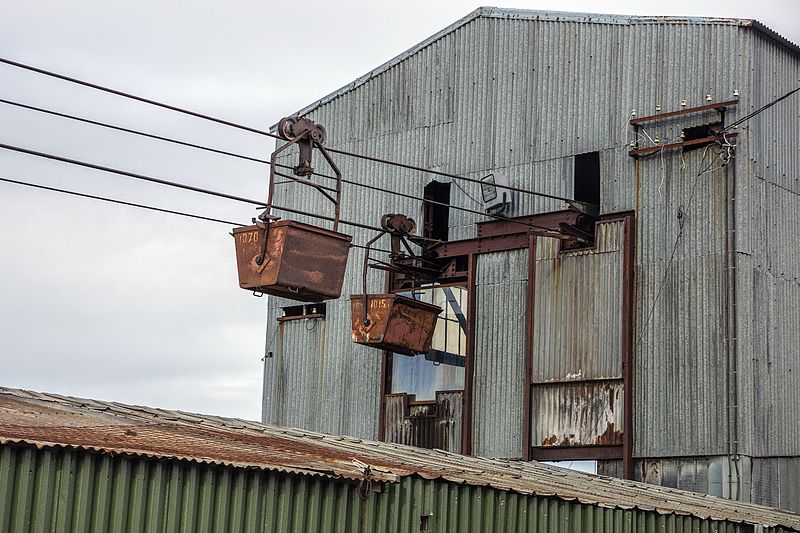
{"x": 443, "y": 367}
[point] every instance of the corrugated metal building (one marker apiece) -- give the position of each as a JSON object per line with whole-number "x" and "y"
{"x": 668, "y": 348}
{"x": 72, "y": 464}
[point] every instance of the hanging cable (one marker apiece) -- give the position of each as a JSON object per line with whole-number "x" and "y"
{"x": 223, "y": 152}
{"x": 121, "y": 202}
{"x": 256, "y": 130}
{"x": 129, "y": 174}
{"x": 136, "y": 98}
{"x": 434, "y": 202}
{"x": 756, "y": 112}
{"x": 168, "y": 183}
{"x": 131, "y": 131}
{"x": 144, "y": 206}
{"x": 446, "y": 174}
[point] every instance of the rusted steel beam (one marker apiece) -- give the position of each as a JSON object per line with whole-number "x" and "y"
{"x": 576, "y": 453}
{"x": 651, "y": 149}
{"x": 530, "y": 309}
{"x": 628, "y": 287}
{"x": 494, "y": 228}
{"x": 719, "y": 106}
{"x": 482, "y": 245}
{"x": 469, "y": 366}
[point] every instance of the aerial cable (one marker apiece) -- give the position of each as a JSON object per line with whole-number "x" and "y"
{"x": 756, "y": 112}
{"x": 135, "y": 97}
{"x": 259, "y": 131}
{"x": 223, "y": 152}
{"x": 133, "y": 175}
{"x": 142, "y": 206}
{"x": 169, "y": 183}
{"x": 116, "y": 201}
{"x": 132, "y": 131}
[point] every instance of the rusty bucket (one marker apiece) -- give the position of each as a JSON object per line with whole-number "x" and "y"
{"x": 395, "y": 323}
{"x": 300, "y": 261}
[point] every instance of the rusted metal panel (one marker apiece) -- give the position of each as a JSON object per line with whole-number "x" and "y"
{"x": 577, "y": 414}
{"x": 298, "y": 261}
{"x": 394, "y": 323}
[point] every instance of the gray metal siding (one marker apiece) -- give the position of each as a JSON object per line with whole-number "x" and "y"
{"x": 499, "y": 382}
{"x": 522, "y": 96}
{"x": 578, "y": 315}
{"x": 768, "y": 184}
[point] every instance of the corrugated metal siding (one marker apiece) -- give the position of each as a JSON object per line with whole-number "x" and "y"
{"x": 65, "y": 490}
{"x": 768, "y": 209}
{"x": 501, "y": 286}
{"x": 483, "y": 98}
{"x": 776, "y": 482}
{"x": 681, "y": 304}
{"x": 578, "y": 316}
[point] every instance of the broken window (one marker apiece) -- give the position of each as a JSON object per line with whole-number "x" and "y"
{"x": 435, "y": 216}
{"x": 586, "y": 182}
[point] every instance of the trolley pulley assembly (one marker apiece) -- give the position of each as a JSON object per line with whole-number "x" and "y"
{"x": 288, "y": 258}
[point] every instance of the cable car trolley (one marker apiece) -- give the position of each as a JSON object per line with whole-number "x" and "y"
{"x": 287, "y": 258}
{"x": 391, "y": 321}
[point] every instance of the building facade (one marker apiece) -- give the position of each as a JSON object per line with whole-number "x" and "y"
{"x": 664, "y": 344}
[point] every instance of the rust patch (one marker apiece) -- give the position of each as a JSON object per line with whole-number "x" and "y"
{"x": 550, "y": 441}
{"x": 611, "y": 436}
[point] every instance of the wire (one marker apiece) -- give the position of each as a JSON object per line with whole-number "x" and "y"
{"x": 131, "y": 131}
{"x": 168, "y": 183}
{"x": 757, "y": 111}
{"x": 121, "y": 202}
{"x": 435, "y": 202}
{"x": 144, "y": 206}
{"x": 135, "y": 97}
{"x": 129, "y": 174}
{"x": 256, "y": 130}
{"x": 223, "y": 152}
{"x": 468, "y": 194}
{"x": 445, "y": 174}
{"x": 675, "y": 246}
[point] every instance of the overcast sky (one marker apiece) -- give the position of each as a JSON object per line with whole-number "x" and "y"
{"x": 115, "y": 303}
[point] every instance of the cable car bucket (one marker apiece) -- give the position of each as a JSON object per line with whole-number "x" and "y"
{"x": 391, "y": 321}
{"x": 287, "y": 258}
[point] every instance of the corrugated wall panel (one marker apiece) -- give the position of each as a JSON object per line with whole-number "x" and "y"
{"x": 578, "y": 315}
{"x": 68, "y": 490}
{"x": 768, "y": 255}
{"x": 499, "y": 381}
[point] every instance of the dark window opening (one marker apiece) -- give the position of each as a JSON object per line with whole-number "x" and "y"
{"x": 299, "y": 312}
{"x": 435, "y": 217}
{"x": 699, "y": 132}
{"x": 587, "y": 178}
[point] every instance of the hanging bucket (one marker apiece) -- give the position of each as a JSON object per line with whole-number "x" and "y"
{"x": 300, "y": 262}
{"x": 395, "y": 323}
